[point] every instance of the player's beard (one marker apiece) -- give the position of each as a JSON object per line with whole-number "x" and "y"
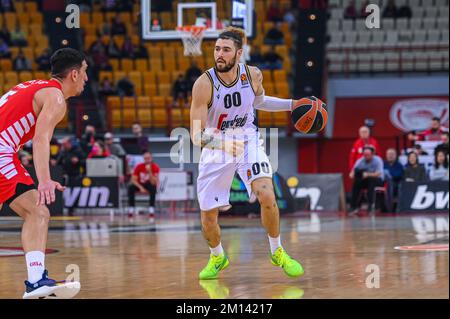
{"x": 228, "y": 66}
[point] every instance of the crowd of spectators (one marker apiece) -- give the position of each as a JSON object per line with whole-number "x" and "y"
{"x": 368, "y": 170}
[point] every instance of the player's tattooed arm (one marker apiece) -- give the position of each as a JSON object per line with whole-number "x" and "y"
{"x": 257, "y": 80}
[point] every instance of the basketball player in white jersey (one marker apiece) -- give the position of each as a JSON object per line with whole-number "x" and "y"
{"x": 223, "y": 123}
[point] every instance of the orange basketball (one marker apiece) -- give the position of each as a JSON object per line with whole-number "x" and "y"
{"x": 309, "y": 115}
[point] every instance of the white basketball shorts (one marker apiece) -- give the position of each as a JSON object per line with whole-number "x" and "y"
{"x": 217, "y": 169}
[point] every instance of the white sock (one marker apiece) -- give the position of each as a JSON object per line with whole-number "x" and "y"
{"x": 216, "y": 251}
{"x": 151, "y": 210}
{"x": 274, "y": 243}
{"x": 35, "y": 265}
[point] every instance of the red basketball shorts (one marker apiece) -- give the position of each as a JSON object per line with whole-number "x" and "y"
{"x": 11, "y": 173}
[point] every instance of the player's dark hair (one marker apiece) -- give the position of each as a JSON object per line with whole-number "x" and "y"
{"x": 436, "y": 119}
{"x": 370, "y": 148}
{"x": 237, "y": 35}
{"x": 65, "y": 60}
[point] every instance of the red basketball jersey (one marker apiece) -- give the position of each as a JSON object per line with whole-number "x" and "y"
{"x": 17, "y": 117}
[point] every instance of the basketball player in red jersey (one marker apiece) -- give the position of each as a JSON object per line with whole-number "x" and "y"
{"x": 31, "y": 110}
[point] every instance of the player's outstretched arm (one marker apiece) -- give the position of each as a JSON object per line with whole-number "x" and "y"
{"x": 52, "y": 112}
{"x": 264, "y": 102}
{"x": 201, "y": 97}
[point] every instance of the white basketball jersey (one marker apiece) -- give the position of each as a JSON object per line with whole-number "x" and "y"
{"x": 231, "y": 106}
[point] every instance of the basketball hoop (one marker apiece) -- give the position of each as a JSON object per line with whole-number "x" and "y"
{"x": 192, "y": 37}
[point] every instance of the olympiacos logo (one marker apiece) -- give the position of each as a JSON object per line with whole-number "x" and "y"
{"x": 416, "y": 114}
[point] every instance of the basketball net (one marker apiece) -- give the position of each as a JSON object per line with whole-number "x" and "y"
{"x": 192, "y": 37}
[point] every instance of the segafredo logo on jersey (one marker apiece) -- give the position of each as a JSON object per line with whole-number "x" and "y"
{"x": 234, "y": 123}
{"x": 416, "y": 114}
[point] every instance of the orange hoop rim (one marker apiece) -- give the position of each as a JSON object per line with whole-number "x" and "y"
{"x": 193, "y": 29}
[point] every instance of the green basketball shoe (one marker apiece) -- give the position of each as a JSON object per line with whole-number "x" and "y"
{"x": 215, "y": 264}
{"x": 291, "y": 267}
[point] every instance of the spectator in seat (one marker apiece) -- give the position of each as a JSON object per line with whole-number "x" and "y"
{"x": 419, "y": 150}
{"x": 414, "y": 171}
{"x": 128, "y": 48}
{"x": 25, "y": 160}
{"x": 256, "y": 57}
{"x": 5, "y": 52}
{"x": 274, "y": 13}
{"x": 5, "y": 35}
{"x": 43, "y": 60}
{"x": 100, "y": 59}
{"x": 18, "y": 37}
{"x": 350, "y": 12}
{"x": 367, "y": 173}
{"x": 118, "y": 27}
{"x": 180, "y": 90}
{"x": 404, "y": 12}
{"x": 390, "y": 11}
{"x": 432, "y": 134}
{"x": 145, "y": 179}
{"x": 357, "y": 149}
{"x": 439, "y": 171}
{"x": 97, "y": 46}
{"x": 21, "y": 63}
{"x": 141, "y": 138}
{"x": 85, "y": 5}
{"x": 109, "y": 5}
{"x": 107, "y": 88}
{"x": 88, "y": 139}
{"x": 289, "y": 16}
{"x": 98, "y": 150}
{"x": 140, "y": 52}
{"x": 444, "y": 145}
{"x": 7, "y": 6}
{"x": 125, "y": 87}
{"x": 272, "y": 60}
{"x": 113, "y": 49}
{"x": 72, "y": 159}
{"x": 192, "y": 74}
{"x": 393, "y": 171}
{"x": 274, "y": 36}
{"x": 113, "y": 148}
{"x": 126, "y": 5}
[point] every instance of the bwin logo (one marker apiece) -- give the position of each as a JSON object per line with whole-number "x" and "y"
{"x": 313, "y": 193}
{"x": 424, "y": 199}
{"x": 86, "y": 196}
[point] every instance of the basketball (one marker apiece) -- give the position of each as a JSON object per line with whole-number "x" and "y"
{"x": 309, "y": 115}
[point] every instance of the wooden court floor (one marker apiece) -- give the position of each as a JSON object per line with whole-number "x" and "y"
{"x": 122, "y": 258}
